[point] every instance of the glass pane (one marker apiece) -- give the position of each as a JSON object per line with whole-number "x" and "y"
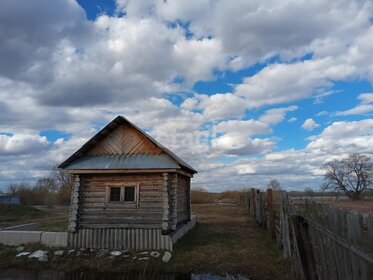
{"x": 129, "y": 194}
{"x": 115, "y": 194}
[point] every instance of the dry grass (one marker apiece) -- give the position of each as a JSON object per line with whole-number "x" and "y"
{"x": 202, "y": 196}
{"x": 11, "y": 214}
{"x": 47, "y": 218}
{"x": 230, "y": 196}
{"x": 224, "y": 241}
{"x": 227, "y": 240}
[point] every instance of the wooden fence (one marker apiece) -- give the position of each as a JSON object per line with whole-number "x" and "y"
{"x": 321, "y": 241}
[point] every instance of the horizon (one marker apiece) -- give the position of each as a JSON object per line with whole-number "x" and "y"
{"x": 244, "y": 92}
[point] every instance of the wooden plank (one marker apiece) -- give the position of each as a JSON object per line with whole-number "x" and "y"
{"x": 120, "y": 221}
{"x": 271, "y": 214}
{"x": 119, "y": 171}
{"x": 99, "y": 226}
{"x": 351, "y": 247}
{"x": 128, "y": 216}
{"x": 304, "y": 248}
{"x": 124, "y": 140}
{"x": 369, "y": 222}
{"x": 120, "y": 205}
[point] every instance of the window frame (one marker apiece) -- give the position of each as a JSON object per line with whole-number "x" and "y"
{"x": 122, "y": 187}
{"x": 110, "y": 196}
{"x": 124, "y": 193}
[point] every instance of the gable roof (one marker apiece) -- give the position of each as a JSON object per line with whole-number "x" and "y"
{"x": 79, "y": 160}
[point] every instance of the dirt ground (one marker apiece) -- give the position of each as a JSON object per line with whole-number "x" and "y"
{"x": 363, "y": 206}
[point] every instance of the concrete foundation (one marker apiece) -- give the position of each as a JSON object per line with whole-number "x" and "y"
{"x": 50, "y": 239}
{"x": 180, "y": 232}
{"x": 136, "y": 239}
{"x": 54, "y": 239}
{"x": 15, "y": 238}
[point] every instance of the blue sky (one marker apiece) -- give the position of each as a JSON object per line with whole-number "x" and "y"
{"x": 245, "y": 92}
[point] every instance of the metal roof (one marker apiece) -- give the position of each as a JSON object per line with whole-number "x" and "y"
{"x": 78, "y": 156}
{"x": 162, "y": 161}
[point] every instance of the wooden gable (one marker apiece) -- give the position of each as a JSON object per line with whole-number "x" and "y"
{"x": 124, "y": 140}
{"x": 119, "y": 140}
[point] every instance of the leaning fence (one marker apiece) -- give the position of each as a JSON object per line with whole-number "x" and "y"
{"x": 321, "y": 241}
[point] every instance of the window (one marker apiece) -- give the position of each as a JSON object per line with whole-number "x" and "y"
{"x": 129, "y": 193}
{"x": 115, "y": 194}
{"x": 123, "y": 193}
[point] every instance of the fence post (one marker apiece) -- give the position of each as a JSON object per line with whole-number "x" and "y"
{"x": 258, "y": 207}
{"x": 305, "y": 251}
{"x": 271, "y": 213}
{"x": 252, "y": 202}
{"x": 284, "y": 225}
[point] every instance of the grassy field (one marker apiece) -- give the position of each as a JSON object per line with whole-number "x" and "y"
{"x": 225, "y": 240}
{"x": 48, "y": 219}
{"x": 11, "y": 215}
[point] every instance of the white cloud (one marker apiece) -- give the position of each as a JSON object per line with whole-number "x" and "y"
{"x": 292, "y": 120}
{"x": 216, "y": 106}
{"x": 260, "y": 29}
{"x": 249, "y": 127}
{"x": 282, "y": 83}
{"x": 75, "y": 75}
{"x": 236, "y": 139}
{"x": 21, "y": 144}
{"x": 277, "y": 115}
{"x": 366, "y": 98}
{"x": 310, "y": 124}
{"x": 297, "y": 169}
{"x": 364, "y": 107}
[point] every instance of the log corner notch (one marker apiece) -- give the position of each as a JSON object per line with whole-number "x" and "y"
{"x": 173, "y": 203}
{"x": 166, "y": 206}
{"x": 73, "y": 218}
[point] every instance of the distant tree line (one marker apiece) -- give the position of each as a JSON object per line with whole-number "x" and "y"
{"x": 50, "y": 190}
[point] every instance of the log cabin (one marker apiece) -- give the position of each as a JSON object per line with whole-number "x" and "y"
{"x": 129, "y": 191}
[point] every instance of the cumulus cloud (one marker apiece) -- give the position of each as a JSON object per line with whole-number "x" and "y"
{"x": 364, "y": 107}
{"x": 310, "y": 124}
{"x": 274, "y": 116}
{"x": 217, "y": 106}
{"x": 60, "y": 71}
{"x": 236, "y": 139}
{"x": 20, "y": 144}
{"x": 298, "y": 169}
{"x": 259, "y": 29}
{"x": 282, "y": 83}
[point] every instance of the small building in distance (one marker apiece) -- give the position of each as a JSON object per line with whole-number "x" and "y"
{"x": 129, "y": 191}
{"x": 10, "y": 199}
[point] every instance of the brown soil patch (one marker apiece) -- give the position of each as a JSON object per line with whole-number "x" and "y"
{"x": 363, "y": 206}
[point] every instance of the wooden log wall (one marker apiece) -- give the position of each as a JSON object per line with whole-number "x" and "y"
{"x": 96, "y": 212}
{"x": 321, "y": 241}
{"x": 183, "y": 199}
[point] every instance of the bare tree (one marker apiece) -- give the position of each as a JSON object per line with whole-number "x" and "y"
{"x": 64, "y": 185}
{"x": 352, "y": 175}
{"x": 309, "y": 192}
{"x": 62, "y": 178}
{"x": 274, "y": 184}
